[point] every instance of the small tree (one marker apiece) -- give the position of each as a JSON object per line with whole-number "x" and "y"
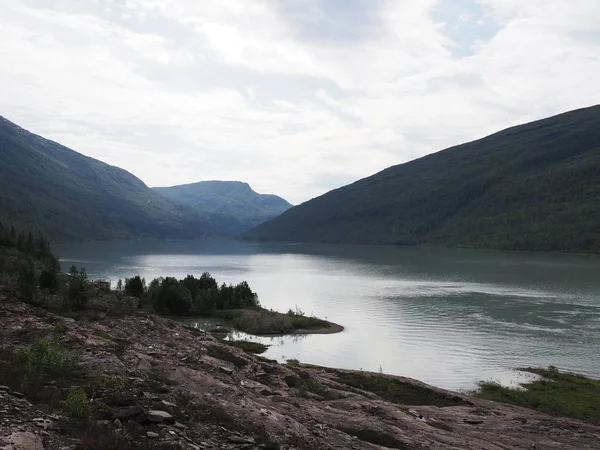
{"x": 78, "y": 283}
{"x": 27, "y": 282}
{"x": 135, "y": 287}
{"x": 120, "y": 285}
{"x": 49, "y": 281}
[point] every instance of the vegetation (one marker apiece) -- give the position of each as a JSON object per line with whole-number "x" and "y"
{"x": 77, "y": 405}
{"x": 198, "y": 295}
{"x": 397, "y": 391}
{"x": 135, "y": 287}
{"x": 47, "y": 357}
{"x": 260, "y": 321}
{"x": 532, "y": 187}
{"x": 555, "y": 393}
{"x": 50, "y": 188}
{"x": 229, "y": 198}
{"x": 248, "y": 346}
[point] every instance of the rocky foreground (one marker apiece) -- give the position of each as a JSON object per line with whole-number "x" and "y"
{"x": 164, "y": 385}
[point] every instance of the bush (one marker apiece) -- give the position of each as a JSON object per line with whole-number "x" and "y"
{"x": 47, "y": 357}
{"x": 77, "y": 405}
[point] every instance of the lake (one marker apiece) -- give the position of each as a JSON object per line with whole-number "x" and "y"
{"x": 444, "y": 316}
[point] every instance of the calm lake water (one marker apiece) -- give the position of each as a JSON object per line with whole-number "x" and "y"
{"x": 446, "y": 317}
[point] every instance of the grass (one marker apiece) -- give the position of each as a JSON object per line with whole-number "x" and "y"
{"x": 47, "y": 357}
{"x": 556, "y": 393}
{"x": 397, "y": 391}
{"x": 248, "y": 346}
{"x": 260, "y": 321}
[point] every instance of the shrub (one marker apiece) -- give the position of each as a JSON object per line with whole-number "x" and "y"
{"x": 47, "y": 357}
{"x": 77, "y": 405}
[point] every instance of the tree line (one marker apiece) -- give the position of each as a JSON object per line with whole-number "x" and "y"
{"x": 168, "y": 295}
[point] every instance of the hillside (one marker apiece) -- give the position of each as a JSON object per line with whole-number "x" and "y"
{"x": 50, "y": 188}
{"x": 230, "y": 199}
{"x": 531, "y": 187}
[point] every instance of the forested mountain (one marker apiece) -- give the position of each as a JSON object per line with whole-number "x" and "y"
{"x": 531, "y": 187}
{"x": 49, "y": 188}
{"x": 230, "y": 199}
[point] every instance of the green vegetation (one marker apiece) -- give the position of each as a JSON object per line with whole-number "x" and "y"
{"x": 77, "y": 405}
{"x": 198, "y": 295}
{"x": 228, "y": 198}
{"x": 532, "y": 187}
{"x": 248, "y": 346}
{"x": 50, "y": 188}
{"x": 555, "y": 393}
{"x": 47, "y": 357}
{"x": 397, "y": 391}
{"x": 260, "y": 321}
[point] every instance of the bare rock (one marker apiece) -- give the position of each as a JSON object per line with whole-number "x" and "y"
{"x": 25, "y": 441}
{"x": 157, "y": 416}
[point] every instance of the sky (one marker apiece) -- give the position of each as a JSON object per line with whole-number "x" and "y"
{"x": 295, "y": 97}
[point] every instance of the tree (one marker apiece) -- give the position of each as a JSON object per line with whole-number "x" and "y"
{"x": 49, "y": 281}
{"x": 27, "y": 283}
{"x": 135, "y": 287}
{"x": 76, "y": 294}
{"x": 120, "y": 285}
{"x": 169, "y": 296}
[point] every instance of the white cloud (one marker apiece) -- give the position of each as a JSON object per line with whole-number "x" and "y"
{"x": 180, "y": 90}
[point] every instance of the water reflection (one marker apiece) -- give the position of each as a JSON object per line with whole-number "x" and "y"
{"x": 447, "y": 317}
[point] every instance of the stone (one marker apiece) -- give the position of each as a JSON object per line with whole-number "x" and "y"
{"x": 118, "y": 424}
{"x": 25, "y": 441}
{"x": 128, "y": 413}
{"x": 155, "y": 415}
{"x": 226, "y": 370}
{"x": 152, "y": 434}
{"x": 180, "y": 426}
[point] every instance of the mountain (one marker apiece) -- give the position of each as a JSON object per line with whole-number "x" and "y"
{"x": 531, "y": 187}
{"x": 49, "y": 188}
{"x": 230, "y": 199}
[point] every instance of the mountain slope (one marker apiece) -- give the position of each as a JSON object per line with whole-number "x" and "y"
{"x": 531, "y": 187}
{"x": 50, "y": 188}
{"x": 230, "y": 199}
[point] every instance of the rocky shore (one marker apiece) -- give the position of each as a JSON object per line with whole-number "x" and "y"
{"x": 159, "y": 384}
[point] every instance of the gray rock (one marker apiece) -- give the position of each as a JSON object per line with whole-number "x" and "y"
{"x": 157, "y": 416}
{"x": 25, "y": 441}
{"x": 118, "y": 424}
{"x": 152, "y": 434}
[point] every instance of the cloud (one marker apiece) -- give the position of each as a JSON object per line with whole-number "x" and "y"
{"x": 295, "y": 98}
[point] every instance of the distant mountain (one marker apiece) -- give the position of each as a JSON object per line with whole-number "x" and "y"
{"x": 531, "y": 187}
{"x": 50, "y": 188}
{"x": 229, "y": 199}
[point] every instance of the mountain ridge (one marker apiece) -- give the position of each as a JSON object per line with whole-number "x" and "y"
{"x": 228, "y": 198}
{"x": 47, "y": 187}
{"x": 530, "y": 187}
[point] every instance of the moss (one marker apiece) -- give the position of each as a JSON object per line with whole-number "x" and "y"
{"x": 556, "y": 393}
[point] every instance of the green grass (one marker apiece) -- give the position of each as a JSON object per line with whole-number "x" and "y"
{"x": 261, "y": 321}
{"x": 248, "y": 346}
{"x": 556, "y": 393}
{"x": 47, "y": 357}
{"x": 397, "y": 391}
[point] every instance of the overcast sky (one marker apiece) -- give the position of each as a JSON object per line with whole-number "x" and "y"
{"x": 296, "y": 97}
